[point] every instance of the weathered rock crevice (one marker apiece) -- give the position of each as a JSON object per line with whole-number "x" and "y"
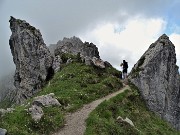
{"x": 157, "y": 77}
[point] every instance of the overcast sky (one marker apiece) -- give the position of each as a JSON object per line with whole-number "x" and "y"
{"x": 121, "y": 29}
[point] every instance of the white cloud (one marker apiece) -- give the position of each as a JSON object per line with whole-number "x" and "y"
{"x": 125, "y": 41}
{"x": 66, "y": 18}
{"x": 175, "y": 38}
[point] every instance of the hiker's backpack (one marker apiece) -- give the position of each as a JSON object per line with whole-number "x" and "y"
{"x": 125, "y": 65}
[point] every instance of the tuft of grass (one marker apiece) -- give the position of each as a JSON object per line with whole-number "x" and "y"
{"x": 51, "y": 121}
{"x": 103, "y": 120}
{"x": 20, "y": 122}
{"x": 17, "y": 122}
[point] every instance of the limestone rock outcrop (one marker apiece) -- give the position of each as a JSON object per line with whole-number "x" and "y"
{"x": 74, "y": 46}
{"x": 157, "y": 77}
{"x": 88, "y": 51}
{"x": 57, "y": 63}
{"x": 32, "y": 58}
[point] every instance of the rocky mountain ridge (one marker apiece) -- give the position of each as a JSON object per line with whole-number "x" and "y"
{"x": 156, "y": 76}
{"x": 87, "y": 52}
{"x": 74, "y": 46}
{"x": 35, "y": 65}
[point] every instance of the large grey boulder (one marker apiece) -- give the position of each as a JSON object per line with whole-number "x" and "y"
{"x": 98, "y": 62}
{"x": 32, "y": 58}
{"x": 157, "y": 77}
{"x": 46, "y": 100}
{"x": 36, "y": 110}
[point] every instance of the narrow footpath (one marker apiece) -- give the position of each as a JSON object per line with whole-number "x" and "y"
{"x": 75, "y": 122}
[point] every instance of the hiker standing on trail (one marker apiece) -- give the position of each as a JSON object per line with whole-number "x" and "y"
{"x": 125, "y": 67}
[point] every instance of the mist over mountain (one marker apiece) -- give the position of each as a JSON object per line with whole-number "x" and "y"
{"x": 7, "y": 69}
{"x": 120, "y": 27}
{"x": 6, "y": 85}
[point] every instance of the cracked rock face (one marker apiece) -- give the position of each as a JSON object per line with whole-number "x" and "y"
{"x": 31, "y": 56}
{"x": 157, "y": 77}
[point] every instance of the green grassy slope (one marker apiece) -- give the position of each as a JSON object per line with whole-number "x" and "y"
{"x": 77, "y": 84}
{"x": 74, "y": 85}
{"x": 103, "y": 120}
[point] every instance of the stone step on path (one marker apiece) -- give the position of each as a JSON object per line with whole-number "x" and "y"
{"x": 75, "y": 122}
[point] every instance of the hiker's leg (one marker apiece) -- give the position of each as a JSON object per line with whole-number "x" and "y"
{"x": 125, "y": 76}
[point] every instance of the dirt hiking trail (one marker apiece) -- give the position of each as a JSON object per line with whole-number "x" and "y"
{"x": 75, "y": 122}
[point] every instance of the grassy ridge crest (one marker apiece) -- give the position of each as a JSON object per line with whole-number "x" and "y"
{"x": 74, "y": 85}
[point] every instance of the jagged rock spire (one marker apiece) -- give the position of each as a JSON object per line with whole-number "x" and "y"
{"x": 157, "y": 77}
{"x": 74, "y": 46}
{"x": 31, "y": 56}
